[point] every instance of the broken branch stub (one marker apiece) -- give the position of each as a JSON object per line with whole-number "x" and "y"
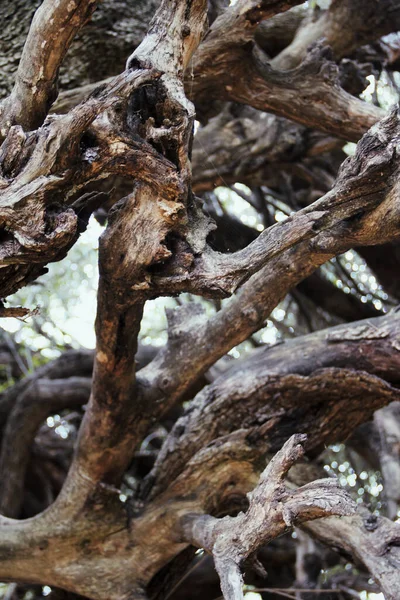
{"x": 273, "y": 509}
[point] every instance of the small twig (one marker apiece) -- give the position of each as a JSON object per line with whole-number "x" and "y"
{"x": 300, "y": 301}
{"x": 14, "y": 352}
{"x": 244, "y": 197}
{"x": 17, "y": 312}
{"x": 185, "y": 576}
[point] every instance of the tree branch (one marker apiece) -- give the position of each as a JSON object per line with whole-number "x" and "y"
{"x": 213, "y": 480}
{"x": 272, "y": 511}
{"x": 41, "y": 398}
{"x": 347, "y": 216}
{"x": 320, "y": 372}
{"x": 371, "y": 540}
{"x": 346, "y": 25}
{"x": 52, "y": 30}
{"x": 367, "y": 181}
{"x": 244, "y": 145}
{"x": 105, "y": 438}
{"x": 70, "y": 363}
{"x": 225, "y": 68}
{"x": 39, "y": 213}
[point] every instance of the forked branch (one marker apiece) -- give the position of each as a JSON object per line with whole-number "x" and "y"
{"x": 273, "y": 509}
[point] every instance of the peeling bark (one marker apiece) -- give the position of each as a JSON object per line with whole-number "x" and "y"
{"x": 137, "y": 127}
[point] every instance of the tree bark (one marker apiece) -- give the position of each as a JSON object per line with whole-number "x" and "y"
{"x": 136, "y": 128}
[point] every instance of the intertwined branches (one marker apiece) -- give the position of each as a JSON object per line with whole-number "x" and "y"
{"x": 139, "y": 125}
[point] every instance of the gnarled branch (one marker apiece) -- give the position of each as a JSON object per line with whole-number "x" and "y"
{"x": 272, "y": 510}
{"x": 53, "y": 28}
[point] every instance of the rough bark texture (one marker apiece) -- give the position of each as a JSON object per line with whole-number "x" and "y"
{"x": 119, "y": 141}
